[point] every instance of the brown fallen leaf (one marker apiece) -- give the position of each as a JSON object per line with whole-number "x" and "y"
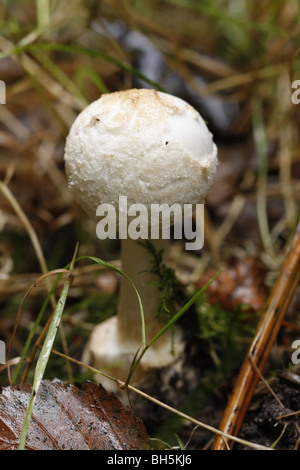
{"x": 69, "y": 418}
{"x": 242, "y": 281}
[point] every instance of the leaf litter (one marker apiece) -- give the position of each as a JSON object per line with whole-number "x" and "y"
{"x": 69, "y": 418}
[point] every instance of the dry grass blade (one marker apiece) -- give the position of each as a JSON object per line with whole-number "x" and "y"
{"x": 258, "y": 353}
{"x": 31, "y": 232}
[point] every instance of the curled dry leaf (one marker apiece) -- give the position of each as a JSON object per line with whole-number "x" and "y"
{"x": 69, "y": 418}
{"x": 242, "y": 281}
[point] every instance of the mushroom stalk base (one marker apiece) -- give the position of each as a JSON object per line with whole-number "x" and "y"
{"x": 115, "y": 342}
{"x": 108, "y": 355}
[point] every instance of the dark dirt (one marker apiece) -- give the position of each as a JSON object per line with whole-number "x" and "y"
{"x": 263, "y": 423}
{"x": 272, "y": 419}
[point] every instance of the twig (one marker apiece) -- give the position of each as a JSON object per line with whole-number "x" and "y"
{"x": 262, "y": 343}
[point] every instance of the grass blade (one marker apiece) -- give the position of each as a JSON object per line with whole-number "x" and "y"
{"x": 80, "y": 50}
{"x": 43, "y": 13}
{"x": 168, "y": 325}
{"x": 35, "y": 325}
{"x": 183, "y": 309}
{"x": 44, "y": 357}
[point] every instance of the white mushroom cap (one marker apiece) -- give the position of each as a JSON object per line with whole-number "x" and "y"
{"x": 149, "y": 146}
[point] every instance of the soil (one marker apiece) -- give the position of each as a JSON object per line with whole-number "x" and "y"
{"x": 272, "y": 419}
{"x": 263, "y": 424}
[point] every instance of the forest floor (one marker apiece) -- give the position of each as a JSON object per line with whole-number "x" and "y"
{"x": 237, "y": 63}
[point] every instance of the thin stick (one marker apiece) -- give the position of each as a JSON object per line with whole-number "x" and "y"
{"x": 262, "y": 343}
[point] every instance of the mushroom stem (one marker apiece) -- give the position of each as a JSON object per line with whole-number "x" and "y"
{"x": 115, "y": 342}
{"x": 136, "y": 263}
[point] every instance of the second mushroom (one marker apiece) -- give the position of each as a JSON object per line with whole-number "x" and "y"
{"x": 152, "y": 148}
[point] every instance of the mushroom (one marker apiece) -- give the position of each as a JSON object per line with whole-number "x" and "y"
{"x": 152, "y": 148}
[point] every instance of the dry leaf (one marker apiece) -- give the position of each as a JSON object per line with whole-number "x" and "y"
{"x": 69, "y": 418}
{"x": 242, "y": 281}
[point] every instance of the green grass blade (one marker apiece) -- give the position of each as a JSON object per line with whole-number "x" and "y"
{"x": 181, "y": 444}
{"x": 168, "y": 325}
{"x": 33, "y": 330}
{"x": 88, "y": 72}
{"x": 61, "y": 77}
{"x": 80, "y": 50}
{"x": 43, "y": 13}
{"x": 44, "y": 357}
{"x": 183, "y": 309}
